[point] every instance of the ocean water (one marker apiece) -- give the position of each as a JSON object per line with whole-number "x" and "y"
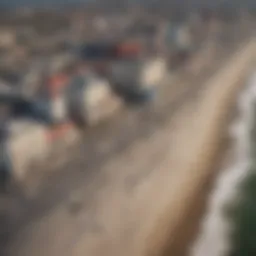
{"x": 227, "y": 225}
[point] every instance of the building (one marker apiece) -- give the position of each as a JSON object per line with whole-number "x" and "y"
{"x": 7, "y": 38}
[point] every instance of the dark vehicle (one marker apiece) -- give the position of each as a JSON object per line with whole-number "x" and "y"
{"x": 97, "y": 51}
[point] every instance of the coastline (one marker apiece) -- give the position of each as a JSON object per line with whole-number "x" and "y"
{"x": 187, "y": 236}
{"x": 215, "y": 235}
{"x": 167, "y": 229}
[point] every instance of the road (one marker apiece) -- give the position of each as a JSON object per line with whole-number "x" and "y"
{"x": 93, "y": 205}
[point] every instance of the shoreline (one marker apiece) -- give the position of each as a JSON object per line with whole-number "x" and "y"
{"x": 213, "y": 224}
{"x": 187, "y": 236}
{"x": 214, "y": 110}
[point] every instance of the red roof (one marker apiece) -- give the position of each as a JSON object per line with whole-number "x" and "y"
{"x": 128, "y": 49}
{"x": 57, "y": 82}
